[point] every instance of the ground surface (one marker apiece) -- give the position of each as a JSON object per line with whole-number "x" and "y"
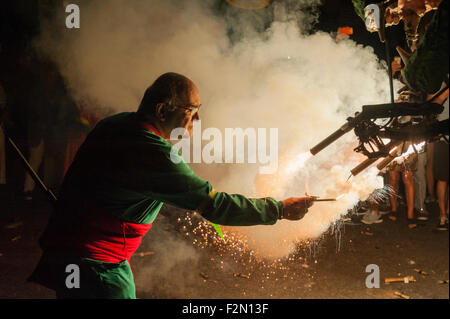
{"x": 169, "y": 265}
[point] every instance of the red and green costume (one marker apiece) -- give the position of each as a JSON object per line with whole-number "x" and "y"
{"x": 111, "y": 194}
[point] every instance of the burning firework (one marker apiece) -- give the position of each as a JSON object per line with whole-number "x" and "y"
{"x": 413, "y": 148}
{"x": 400, "y": 158}
{"x": 381, "y": 194}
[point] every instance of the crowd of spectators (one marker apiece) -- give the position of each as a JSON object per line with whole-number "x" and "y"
{"x": 424, "y": 73}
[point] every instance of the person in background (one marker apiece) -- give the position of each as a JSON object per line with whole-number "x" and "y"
{"x": 405, "y": 168}
{"x": 440, "y": 170}
{"x": 420, "y": 183}
{"x": 431, "y": 197}
{"x": 441, "y": 174}
{"x": 51, "y": 114}
{"x": 425, "y": 69}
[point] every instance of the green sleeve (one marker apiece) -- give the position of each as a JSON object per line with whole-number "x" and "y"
{"x": 428, "y": 66}
{"x": 178, "y": 185}
{"x": 238, "y": 210}
{"x": 153, "y": 173}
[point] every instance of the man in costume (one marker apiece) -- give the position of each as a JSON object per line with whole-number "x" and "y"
{"x": 116, "y": 185}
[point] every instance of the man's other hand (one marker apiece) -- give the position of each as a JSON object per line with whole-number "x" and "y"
{"x": 295, "y": 208}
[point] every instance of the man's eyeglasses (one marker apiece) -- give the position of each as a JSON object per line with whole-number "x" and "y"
{"x": 193, "y": 109}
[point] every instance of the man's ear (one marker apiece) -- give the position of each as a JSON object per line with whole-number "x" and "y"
{"x": 160, "y": 112}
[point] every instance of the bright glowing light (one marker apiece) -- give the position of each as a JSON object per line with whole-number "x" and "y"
{"x": 411, "y": 149}
{"x": 298, "y": 162}
{"x": 392, "y": 152}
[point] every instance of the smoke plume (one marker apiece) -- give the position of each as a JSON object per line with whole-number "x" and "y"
{"x": 254, "y": 69}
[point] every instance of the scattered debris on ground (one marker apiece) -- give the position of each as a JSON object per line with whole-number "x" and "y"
{"x": 405, "y": 280}
{"x": 397, "y": 293}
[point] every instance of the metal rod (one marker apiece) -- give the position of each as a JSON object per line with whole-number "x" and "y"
{"x": 29, "y": 169}
{"x": 388, "y": 60}
{"x": 358, "y": 169}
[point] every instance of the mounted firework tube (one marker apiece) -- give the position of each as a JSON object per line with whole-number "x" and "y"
{"x": 368, "y": 131}
{"x": 330, "y": 139}
{"x": 358, "y": 169}
{"x": 385, "y": 162}
{"x": 392, "y": 155}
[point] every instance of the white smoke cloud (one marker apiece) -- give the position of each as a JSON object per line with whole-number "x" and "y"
{"x": 304, "y": 85}
{"x": 170, "y": 268}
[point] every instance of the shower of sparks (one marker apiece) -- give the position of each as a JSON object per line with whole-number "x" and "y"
{"x": 381, "y": 194}
{"x": 228, "y": 242}
{"x": 236, "y": 245}
{"x": 335, "y": 230}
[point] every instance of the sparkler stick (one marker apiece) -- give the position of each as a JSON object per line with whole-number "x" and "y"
{"x": 318, "y": 199}
{"x": 324, "y": 199}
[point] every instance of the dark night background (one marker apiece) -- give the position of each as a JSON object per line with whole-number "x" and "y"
{"x": 23, "y": 73}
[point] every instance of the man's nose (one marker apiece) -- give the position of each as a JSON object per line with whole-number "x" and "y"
{"x": 196, "y": 116}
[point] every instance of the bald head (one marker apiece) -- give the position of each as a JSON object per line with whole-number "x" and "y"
{"x": 169, "y": 102}
{"x": 170, "y": 88}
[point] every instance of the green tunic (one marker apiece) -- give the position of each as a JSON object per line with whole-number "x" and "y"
{"x": 127, "y": 171}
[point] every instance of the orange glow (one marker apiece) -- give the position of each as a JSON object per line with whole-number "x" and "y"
{"x": 345, "y": 30}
